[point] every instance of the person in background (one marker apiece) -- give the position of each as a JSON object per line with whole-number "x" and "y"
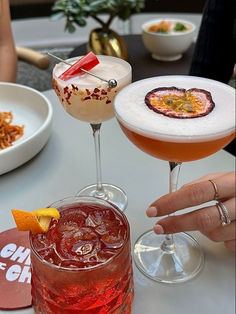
{"x": 216, "y": 221}
{"x": 8, "y": 57}
{"x": 215, "y": 51}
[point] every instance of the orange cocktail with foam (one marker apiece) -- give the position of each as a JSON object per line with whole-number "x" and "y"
{"x": 178, "y": 119}
{"x": 175, "y": 139}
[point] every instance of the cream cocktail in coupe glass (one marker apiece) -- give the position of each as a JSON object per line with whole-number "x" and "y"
{"x": 177, "y": 132}
{"x": 90, "y": 99}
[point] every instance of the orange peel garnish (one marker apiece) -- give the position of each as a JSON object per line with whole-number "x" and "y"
{"x": 37, "y": 221}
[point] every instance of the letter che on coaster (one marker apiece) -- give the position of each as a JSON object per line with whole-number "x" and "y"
{"x": 15, "y": 274}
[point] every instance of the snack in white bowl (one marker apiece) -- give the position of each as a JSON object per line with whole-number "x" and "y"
{"x": 167, "y": 39}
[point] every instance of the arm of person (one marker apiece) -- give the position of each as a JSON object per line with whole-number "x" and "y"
{"x": 8, "y": 57}
{"x": 207, "y": 219}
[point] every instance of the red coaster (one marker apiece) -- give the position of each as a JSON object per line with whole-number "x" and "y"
{"x": 15, "y": 274}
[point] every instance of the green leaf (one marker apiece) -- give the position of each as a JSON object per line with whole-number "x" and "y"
{"x": 179, "y": 27}
{"x": 70, "y": 27}
{"x": 98, "y": 5}
{"x": 57, "y": 16}
{"x": 58, "y": 8}
{"x": 161, "y": 31}
{"x": 76, "y": 11}
{"x": 80, "y": 22}
{"x": 124, "y": 14}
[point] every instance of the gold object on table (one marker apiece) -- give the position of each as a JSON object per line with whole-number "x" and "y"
{"x": 107, "y": 42}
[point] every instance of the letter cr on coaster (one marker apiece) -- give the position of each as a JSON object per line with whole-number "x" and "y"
{"x": 15, "y": 274}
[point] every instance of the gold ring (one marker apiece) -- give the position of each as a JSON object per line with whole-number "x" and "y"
{"x": 224, "y": 214}
{"x": 216, "y": 196}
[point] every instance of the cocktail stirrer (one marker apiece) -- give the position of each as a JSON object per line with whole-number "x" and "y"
{"x": 111, "y": 83}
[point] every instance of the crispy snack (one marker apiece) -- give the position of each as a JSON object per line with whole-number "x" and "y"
{"x": 166, "y": 27}
{"x": 161, "y": 27}
{"x": 8, "y": 133}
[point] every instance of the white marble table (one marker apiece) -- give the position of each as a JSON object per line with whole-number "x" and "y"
{"x": 67, "y": 164}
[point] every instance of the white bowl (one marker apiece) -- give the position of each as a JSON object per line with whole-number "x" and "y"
{"x": 31, "y": 109}
{"x": 167, "y": 46}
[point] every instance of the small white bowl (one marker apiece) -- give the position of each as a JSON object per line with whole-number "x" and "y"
{"x": 31, "y": 109}
{"x": 167, "y": 46}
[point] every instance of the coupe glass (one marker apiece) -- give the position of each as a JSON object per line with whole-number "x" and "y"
{"x": 90, "y": 99}
{"x": 174, "y": 258}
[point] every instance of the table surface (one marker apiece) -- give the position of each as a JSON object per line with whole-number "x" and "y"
{"x": 67, "y": 163}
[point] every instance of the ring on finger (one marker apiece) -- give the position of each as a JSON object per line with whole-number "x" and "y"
{"x": 224, "y": 214}
{"x": 216, "y": 196}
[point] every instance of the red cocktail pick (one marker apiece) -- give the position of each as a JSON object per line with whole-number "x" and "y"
{"x": 87, "y": 62}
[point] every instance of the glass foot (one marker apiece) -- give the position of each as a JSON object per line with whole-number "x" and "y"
{"x": 179, "y": 264}
{"x": 111, "y": 193}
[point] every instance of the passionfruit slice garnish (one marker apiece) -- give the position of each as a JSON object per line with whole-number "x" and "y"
{"x": 180, "y": 103}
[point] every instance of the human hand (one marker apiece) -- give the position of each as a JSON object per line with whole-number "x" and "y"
{"x": 206, "y": 219}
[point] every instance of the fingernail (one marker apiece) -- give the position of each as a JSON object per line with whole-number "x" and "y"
{"x": 158, "y": 229}
{"x": 151, "y": 211}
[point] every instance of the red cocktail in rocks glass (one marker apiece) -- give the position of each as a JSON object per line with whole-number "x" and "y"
{"x": 83, "y": 263}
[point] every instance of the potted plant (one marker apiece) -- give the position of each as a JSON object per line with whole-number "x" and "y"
{"x": 102, "y": 40}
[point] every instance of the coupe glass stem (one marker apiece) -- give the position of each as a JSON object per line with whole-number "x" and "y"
{"x": 96, "y": 135}
{"x": 168, "y": 243}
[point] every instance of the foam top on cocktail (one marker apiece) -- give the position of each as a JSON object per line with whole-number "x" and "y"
{"x": 134, "y": 114}
{"x": 86, "y": 235}
{"x": 88, "y": 98}
{"x": 108, "y": 67}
